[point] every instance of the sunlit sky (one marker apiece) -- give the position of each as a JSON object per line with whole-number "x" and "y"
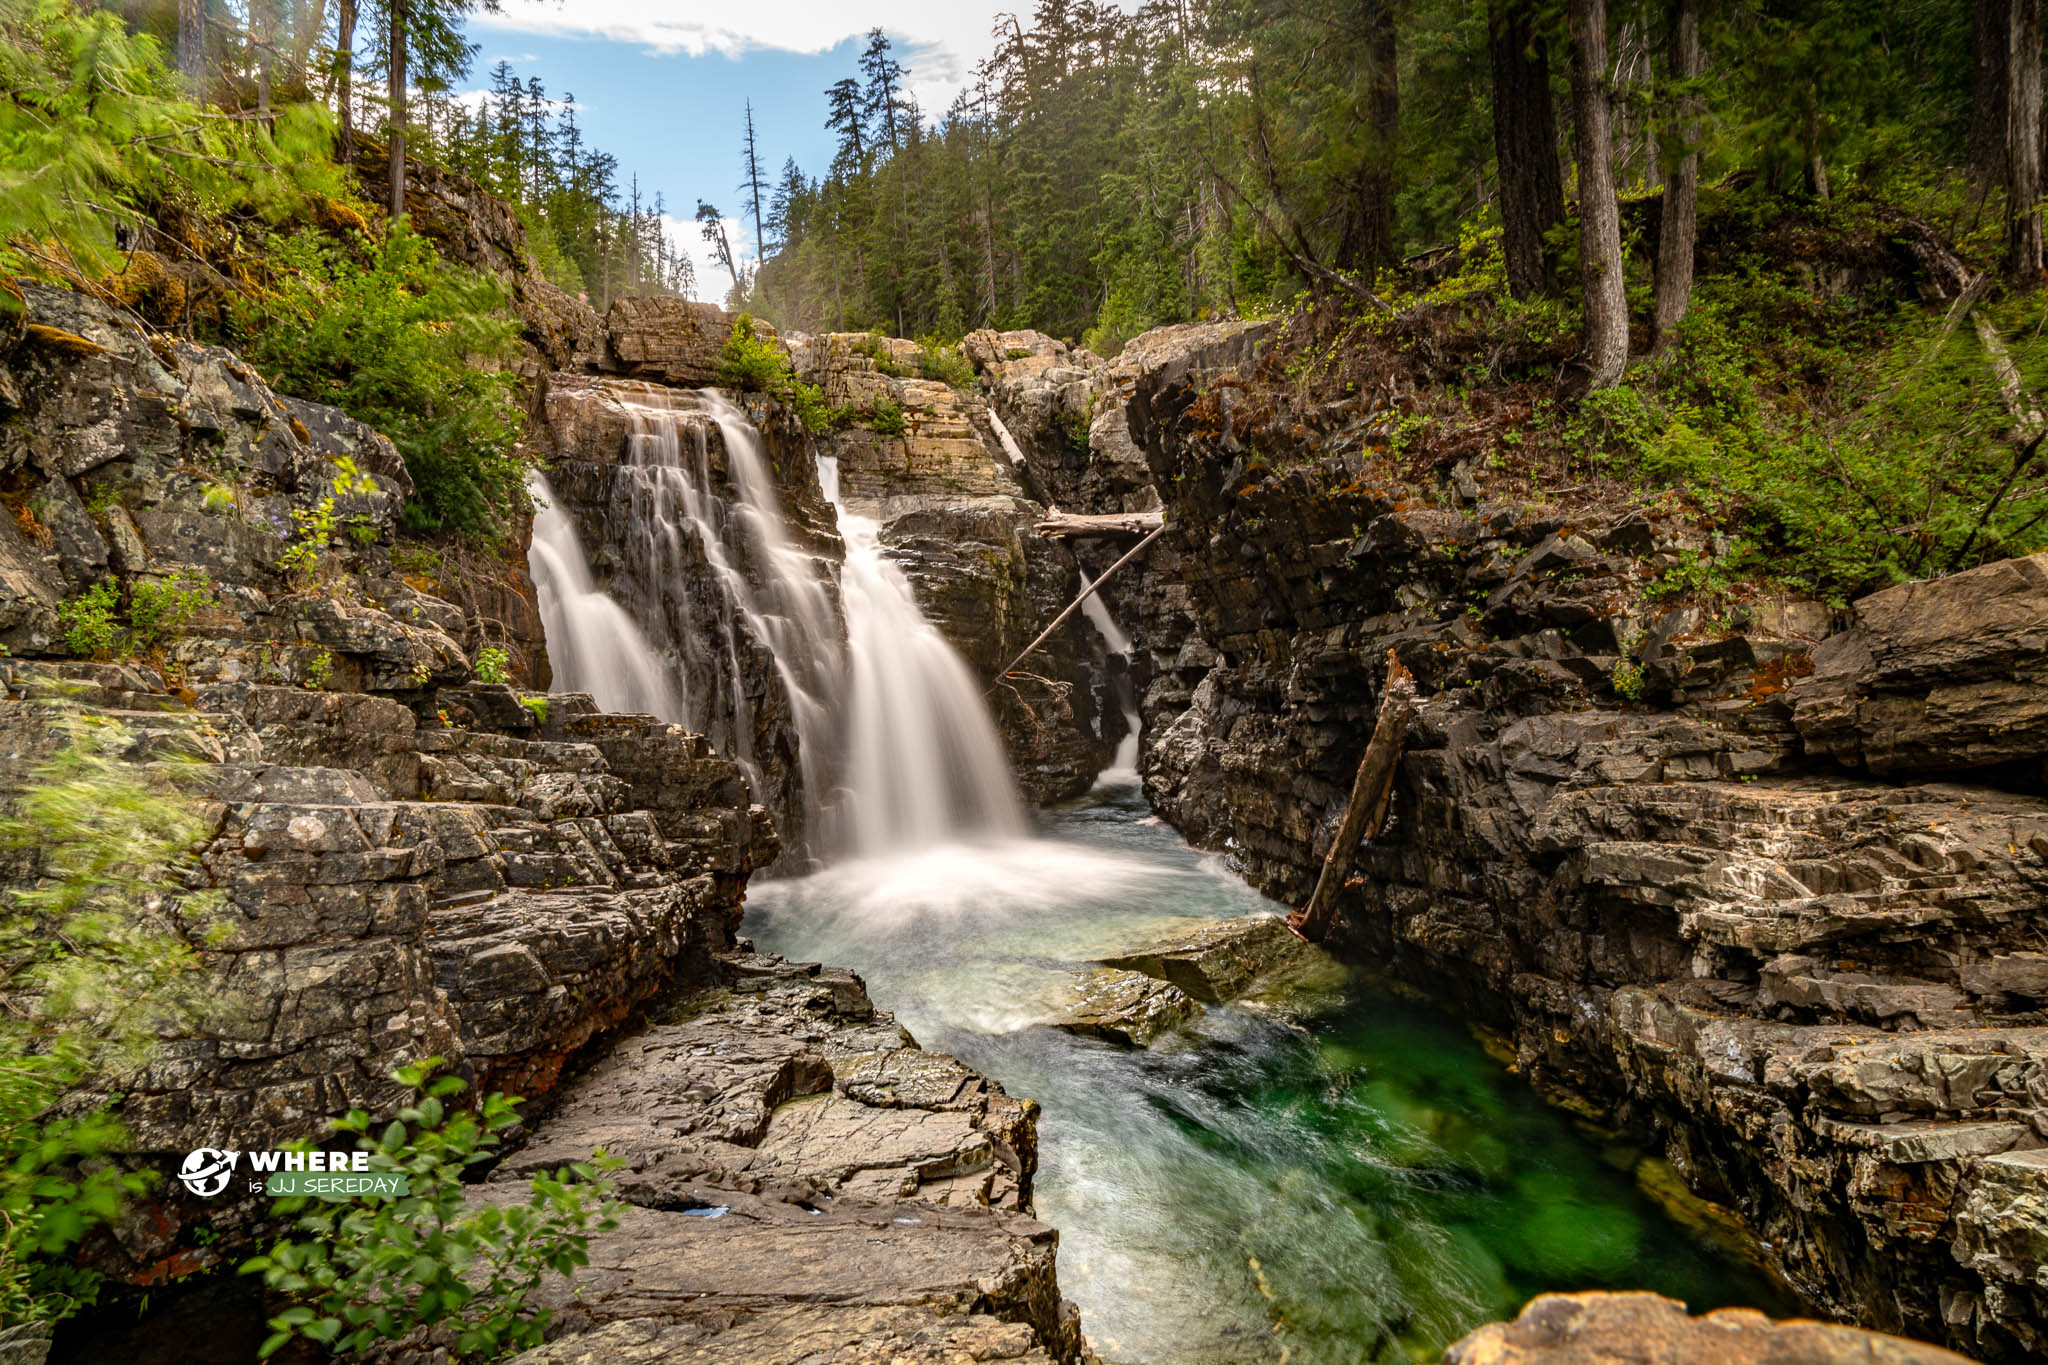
{"x": 662, "y": 85}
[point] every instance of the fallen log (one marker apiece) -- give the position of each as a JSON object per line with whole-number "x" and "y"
{"x": 1372, "y": 794}
{"x": 1075, "y": 605}
{"x": 1067, "y": 525}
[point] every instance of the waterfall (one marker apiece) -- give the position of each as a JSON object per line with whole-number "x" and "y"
{"x": 925, "y": 766}
{"x": 1123, "y": 768}
{"x": 593, "y": 645}
{"x": 717, "y": 619}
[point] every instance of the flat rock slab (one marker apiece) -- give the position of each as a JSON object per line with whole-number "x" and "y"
{"x": 1649, "y": 1329}
{"x": 1258, "y": 956}
{"x": 802, "y": 1335}
{"x": 1124, "y": 1007}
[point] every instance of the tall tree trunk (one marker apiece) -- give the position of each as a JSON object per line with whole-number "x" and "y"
{"x": 1525, "y": 144}
{"x": 191, "y": 40}
{"x": 1606, "y": 353}
{"x": 345, "y": 80}
{"x": 1990, "y": 30}
{"x": 1367, "y": 242}
{"x": 2023, "y": 144}
{"x": 1680, "y": 225}
{"x": 396, "y": 89}
{"x": 309, "y": 17}
{"x": 263, "y": 34}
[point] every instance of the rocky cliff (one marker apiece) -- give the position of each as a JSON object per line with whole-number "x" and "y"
{"x": 1640, "y": 844}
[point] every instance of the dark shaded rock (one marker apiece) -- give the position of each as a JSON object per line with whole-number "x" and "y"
{"x": 1938, "y": 676}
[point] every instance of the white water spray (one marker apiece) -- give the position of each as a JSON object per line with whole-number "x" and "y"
{"x": 1123, "y": 767}
{"x": 593, "y": 645}
{"x": 925, "y": 766}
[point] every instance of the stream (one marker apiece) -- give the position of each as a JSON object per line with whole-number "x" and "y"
{"x": 1351, "y": 1180}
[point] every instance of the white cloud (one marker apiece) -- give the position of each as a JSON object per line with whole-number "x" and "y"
{"x": 713, "y": 281}
{"x": 938, "y": 41}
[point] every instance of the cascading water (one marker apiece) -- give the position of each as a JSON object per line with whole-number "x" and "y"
{"x": 1123, "y": 768}
{"x": 924, "y": 764}
{"x": 593, "y": 645}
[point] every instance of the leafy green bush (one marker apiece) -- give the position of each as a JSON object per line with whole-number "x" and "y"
{"x": 384, "y": 1269}
{"x": 493, "y": 666}
{"x": 936, "y": 360}
{"x": 753, "y": 364}
{"x": 886, "y": 418}
{"x": 88, "y": 620}
{"x": 396, "y": 337}
{"x": 95, "y": 966}
{"x": 538, "y": 706}
{"x": 95, "y": 126}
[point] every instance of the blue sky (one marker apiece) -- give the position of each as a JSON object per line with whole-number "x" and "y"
{"x": 663, "y": 86}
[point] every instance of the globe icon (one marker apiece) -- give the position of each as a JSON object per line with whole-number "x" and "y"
{"x": 207, "y": 1170}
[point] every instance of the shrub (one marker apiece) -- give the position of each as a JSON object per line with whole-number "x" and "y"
{"x": 159, "y": 609}
{"x": 886, "y": 418}
{"x": 88, "y": 620}
{"x": 306, "y": 557}
{"x": 396, "y": 337}
{"x": 493, "y": 666}
{"x": 384, "y": 1269}
{"x": 936, "y": 360}
{"x": 95, "y": 966}
{"x": 538, "y": 706}
{"x": 752, "y": 364}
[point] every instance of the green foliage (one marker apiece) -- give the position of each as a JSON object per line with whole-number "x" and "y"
{"x": 319, "y": 670}
{"x": 381, "y": 1270}
{"x": 95, "y": 133}
{"x": 946, "y": 364}
{"x": 493, "y": 666}
{"x": 885, "y": 418}
{"x": 308, "y": 557}
{"x": 755, "y": 364}
{"x": 538, "y": 706}
{"x": 396, "y": 337}
{"x": 88, "y": 620}
{"x": 95, "y": 966}
{"x": 157, "y": 610}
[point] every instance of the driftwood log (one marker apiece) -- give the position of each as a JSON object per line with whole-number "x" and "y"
{"x": 1085, "y": 594}
{"x": 1067, "y": 525}
{"x": 1372, "y": 793}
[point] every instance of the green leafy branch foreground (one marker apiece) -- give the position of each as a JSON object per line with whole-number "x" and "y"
{"x": 379, "y": 1270}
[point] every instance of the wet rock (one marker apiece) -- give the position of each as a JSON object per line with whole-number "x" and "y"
{"x": 1648, "y": 1329}
{"x": 1124, "y": 1007}
{"x": 1232, "y": 960}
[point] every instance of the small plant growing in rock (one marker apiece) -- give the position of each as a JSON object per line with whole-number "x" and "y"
{"x": 493, "y": 666}
{"x": 936, "y": 360}
{"x": 886, "y": 418}
{"x": 538, "y": 706}
{"x": 1629, "y": 683}
{"x": 88, "y": 620}
{"x": 306, "y": 558}
{"x": 427, "y": 1262}
{"x": 161, "y": 608}
{"x": 422, "y": 673}
{"x": 320, "y": 670}
{"x": 219, "y": 499}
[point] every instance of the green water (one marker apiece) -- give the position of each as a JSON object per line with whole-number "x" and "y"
{"x": 1358, "y": 1182}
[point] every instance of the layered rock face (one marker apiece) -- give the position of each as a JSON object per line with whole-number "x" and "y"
{"x": 1822, "y": 993}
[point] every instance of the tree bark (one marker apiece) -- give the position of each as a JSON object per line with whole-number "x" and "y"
{"x": 345, "y": 81}
{"x": 396, "y": 88}
{"x": 1065, "y": 525}
{"x": 1365, "y": 814}
{"x": 2023, "y": 255}
{"x": 263, "y": 33}
{"x": 1525, "y": 145}
{"x": 191, "y": 40}
{"x": 1075, "y": 605}
{"x": 1367, "y": 242}
{"x": 1680, "y": 227}
{"x": 1989, "y": 29}
{"x": 1606, "y": 352}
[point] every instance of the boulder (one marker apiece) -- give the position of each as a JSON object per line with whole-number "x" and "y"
{"x": 1257, "y": 956}
{"x": 1124, "y": 1007}
{"x": 1648, "y": 1329}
